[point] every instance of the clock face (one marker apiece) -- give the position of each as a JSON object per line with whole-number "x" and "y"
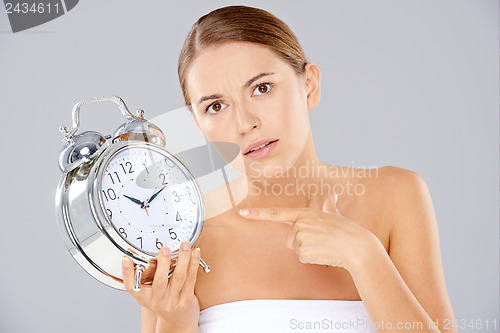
{"x": 150, "y": 198}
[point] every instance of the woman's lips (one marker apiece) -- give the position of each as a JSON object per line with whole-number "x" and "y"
{"x": 264, "y": 151}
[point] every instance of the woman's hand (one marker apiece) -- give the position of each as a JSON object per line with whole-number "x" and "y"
{"x": 173, "y": 300}
{"x": 320, "y": 237}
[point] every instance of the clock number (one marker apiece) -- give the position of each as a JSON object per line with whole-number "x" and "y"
{"x": 111, "y": 193}
{"x": 178, "y": 217}
{"x": 168, "y": 160}
{"x": 189, "y": 194}
{"x": 122, "y": 231}
{"x": 164, "y": 177}
{"x": 110, "y": 213}
{"x": 177, "y": 198}
{"x": 140, "y": 238}
{"x": 158, "y": 244}
{"x": 129, "y": 165}
{"x": 111, "y": 176}
{"x": 173, "y": 235}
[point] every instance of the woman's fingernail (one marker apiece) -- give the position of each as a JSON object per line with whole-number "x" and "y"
{"x": 126, "y": 262}
{"x": 165, "y": 251}
{"x": 197, "y": 253}
{"x": 244, "y": 212}
{"x": 334, "y": 199}
{"x": 185, "y": 246}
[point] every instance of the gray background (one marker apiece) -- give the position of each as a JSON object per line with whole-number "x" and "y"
{"x": 407, "y": 83}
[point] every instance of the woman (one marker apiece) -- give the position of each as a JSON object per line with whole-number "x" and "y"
{"x": 304, "y": 235}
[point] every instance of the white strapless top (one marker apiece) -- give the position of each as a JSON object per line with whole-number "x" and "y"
{"x": 285, "y": 315}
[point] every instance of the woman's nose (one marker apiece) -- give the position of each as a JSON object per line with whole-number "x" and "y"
{"x": 247, "y": 120}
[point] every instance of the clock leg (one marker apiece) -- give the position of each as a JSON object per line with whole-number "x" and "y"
{"x": 138, "y": 274}
{"x": 203, "y": 264}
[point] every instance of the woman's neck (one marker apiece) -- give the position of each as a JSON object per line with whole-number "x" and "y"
{"x": 304, "y": 184}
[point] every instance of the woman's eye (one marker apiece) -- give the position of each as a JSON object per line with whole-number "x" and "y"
{"x": 215, "y": 107}
{"x": 262, "y": 89}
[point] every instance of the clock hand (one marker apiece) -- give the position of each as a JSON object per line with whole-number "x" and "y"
{"x": 154, "y": 196}
{"x": 139, "y": 202}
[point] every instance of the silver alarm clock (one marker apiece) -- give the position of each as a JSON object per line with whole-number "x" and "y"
{"x": 124, "y": 194}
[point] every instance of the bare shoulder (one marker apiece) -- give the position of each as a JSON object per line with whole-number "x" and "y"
{"x": 414, "y": 239}
{"x": 400, "y": 194}
{"x": 390, "y": 178}
{"x": 372, "y": 196}
{"x": 376, "y": 178}
{"x": 388, "y": 183}
{"x": 403, "y": 192}
{"x": 378, "y": 186}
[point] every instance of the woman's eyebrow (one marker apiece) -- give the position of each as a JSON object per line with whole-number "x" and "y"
{"x": 204, "y": 98}
{"x": 246, "y": 85}
{"x": 256, "y": 77}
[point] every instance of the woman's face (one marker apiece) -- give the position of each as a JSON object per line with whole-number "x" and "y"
{"x": 246, "y": 94}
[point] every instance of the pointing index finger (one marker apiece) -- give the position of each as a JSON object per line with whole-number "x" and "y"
{"x": 281, "y": 214}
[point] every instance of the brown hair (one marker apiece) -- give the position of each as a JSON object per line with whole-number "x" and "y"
{"x": 244, "y": 24}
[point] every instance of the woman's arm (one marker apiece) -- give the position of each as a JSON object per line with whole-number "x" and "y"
{"x": 151, "y": 324}
{"x": 148, "y": 320}
{"x": 407, "y": 286}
